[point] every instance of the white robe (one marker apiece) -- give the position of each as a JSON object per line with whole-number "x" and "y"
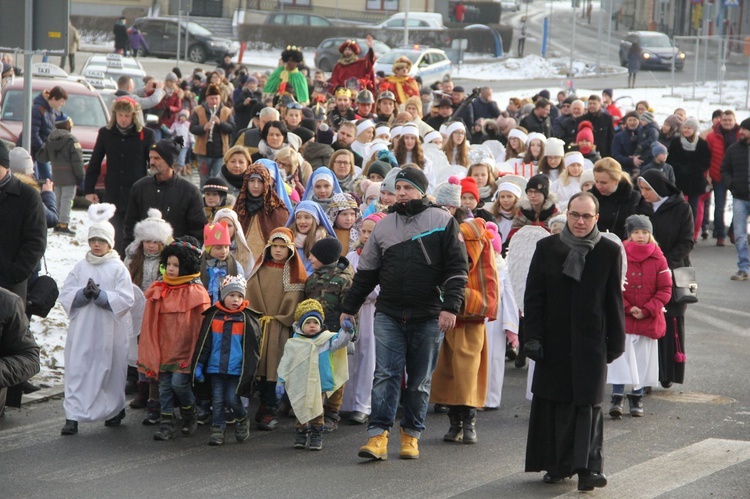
{"x": 565, "y": 192}
{"x": 639, "y": 365}
{"x": 96, "y": 348}
{"x": 496, "y": 340}
{"x": 358, "y": 390}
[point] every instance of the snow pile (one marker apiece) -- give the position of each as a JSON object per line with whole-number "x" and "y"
{"x": 529, "y": 67}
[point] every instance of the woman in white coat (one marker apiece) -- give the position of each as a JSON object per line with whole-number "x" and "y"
{"x": 98, "y": 297}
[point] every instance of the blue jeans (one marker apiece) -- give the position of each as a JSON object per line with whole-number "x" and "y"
{"x": 208, "y": 167}
{"x": 171, "y": 384}
{"x": 398, "y": 345}
{"x": 43, "y": 171}
{"x": 620, "y": 390}
{"x": 224, "y": 391}
{"x": 741, "y": 210}
{"x": 720, "y": 202}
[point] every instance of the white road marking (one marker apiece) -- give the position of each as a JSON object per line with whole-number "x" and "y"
{"x": 675, "y": 469}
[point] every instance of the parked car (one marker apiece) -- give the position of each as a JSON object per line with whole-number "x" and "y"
{"x": 327, "y": 53}
{"x": 286, "y": 18}
{"x": 510, "y": 5}
{"x": 112, "y": 66}
{"x": 426, "y": 62}
{"x": 657, "y": 50}
{"x": 85, "y": 106}
{"x": 161, "y": 36}
{"x": 417, "y": 21}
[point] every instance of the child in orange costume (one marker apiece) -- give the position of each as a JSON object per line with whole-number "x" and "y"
{"x": 171, "y": 324}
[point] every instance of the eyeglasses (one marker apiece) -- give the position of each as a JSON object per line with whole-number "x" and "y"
{"x": 342, "y": 163}
{"x": 575, "y": 216}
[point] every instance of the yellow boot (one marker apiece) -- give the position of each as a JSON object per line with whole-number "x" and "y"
{"x": 376, "y": 447}
{"x": 409, "y": 446}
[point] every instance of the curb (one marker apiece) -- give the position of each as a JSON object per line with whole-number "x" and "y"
{"x": 43, "y": 395}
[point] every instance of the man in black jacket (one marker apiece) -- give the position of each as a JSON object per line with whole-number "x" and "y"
{"x": 19, "y": 353}
{"x": 538, "y": 120}
{"x": 23, "y": 229}
{"x": 735, "y": 174}
{"x": 604, "y": 129}
{"x": 574, "y": 326}
{"x": 178, "y": 199}
{"x": 125, "y": 143}
{"x": 417, "y": 257}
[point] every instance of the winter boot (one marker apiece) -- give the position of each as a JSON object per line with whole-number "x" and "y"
{"x": 469, "y": 417}
{"x": 141, "y": 397}
{"x": 203, "y": 408}
{"x": 268, "y": 421}
{"x": 316, "y": 438}
{"x": 167, "y": 429}
{"x": 615, "y": 410}
{"x": 115, "y": 421}
{"x": 636, "y": 405}
{"x": 456, "y": 430}
{"x": 70, "y": 428}
{"x": 229, "y": 417}
{"x": 262, "y": 411}
{"x": 242, "y": 429}
{"x": 63, "y": 229}
{"x": 154, "y": 412}
{"x": 331, "y": 419}
{"x": 217, "y": 436}
{"x": 300, "y": 438}
{"x": 375, "y": 448}
{"x": 189, "y": 420}
{"x": 409, "y": 446}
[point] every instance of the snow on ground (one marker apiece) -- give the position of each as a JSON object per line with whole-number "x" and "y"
{"x": 529, "y": 67}
{"x": 63, "y": 251}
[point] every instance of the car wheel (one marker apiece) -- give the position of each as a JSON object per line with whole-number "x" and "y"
{"x": 196, "y": 53}
{"x": 325, "y": 65}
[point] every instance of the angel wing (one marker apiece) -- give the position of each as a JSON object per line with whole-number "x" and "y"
{"x": 520, "y": 251}
{"x": 624, "y": 270}
{"x": 441, "y": 167}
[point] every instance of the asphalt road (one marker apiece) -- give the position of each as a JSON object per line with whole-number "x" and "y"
{"x": 694, "y": 441}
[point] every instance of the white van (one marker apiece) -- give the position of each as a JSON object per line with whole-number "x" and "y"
{"x": 417, "y": 21}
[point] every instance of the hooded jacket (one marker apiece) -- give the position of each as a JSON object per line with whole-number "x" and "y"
{"x": 648, "y": 287}
{"x": 615, "y": 208}
{"x": 64, "y": 151}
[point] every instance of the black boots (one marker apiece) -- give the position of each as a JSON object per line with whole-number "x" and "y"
{"x": 141, "y": 397}
{"x": 300, "y": 437}
{"x": 315, "y": 441}
{"x": 636, "y": 405}
{"x": 70, "y": 428}
{"x": 115, "y": 421}
{"x": 154, "y": 412}
{"x": 167, "y": 429}
{"x": 456, "y": 429}
{"x": 463, "y": 422}
{"x": 189, "y": 420}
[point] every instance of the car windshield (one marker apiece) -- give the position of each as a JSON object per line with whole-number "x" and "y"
{"x": 655, "y": 42}
{"x": 390, "y": 57}
{"x": 197, "y": 29}
{"x": 85, "y": 110}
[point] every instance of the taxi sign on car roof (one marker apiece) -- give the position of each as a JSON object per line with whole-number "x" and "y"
{"x": 114, "y": 57}
{"x": 47, "y": 70}
{"x": 114, "y": 63}
{"x": 91, "y": 73}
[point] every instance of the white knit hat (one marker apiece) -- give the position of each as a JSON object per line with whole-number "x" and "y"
{"x": 100, "y": 213}
{"x": 537, "y": 136}
{"x": 554, "y": 147}
{"x": 20, "y": 161}
{"x": 153, "y": 228}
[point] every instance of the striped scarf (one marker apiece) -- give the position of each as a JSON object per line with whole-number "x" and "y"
{"x": 482, "y": 290}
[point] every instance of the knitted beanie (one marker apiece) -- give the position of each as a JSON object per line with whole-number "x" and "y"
{"x": 638, "y": 222}
{"x": 658, "y": 148}
{"x": 449, "y": 193}
{"x": 327, "y": 250}
{"x": 674, "y": 122}
{"x": 647, "y": 116}
{"x": 309, "y": 309}
{"x": 389, "y": 182}
{"x": 100, "y": 214}
{"x": 587, "y": 176}
{"x": 415, "y": 177}
{"x": 168, "y": 149}
{"x": 20, "y": 161}
{"x": 497, "y": 240}
{"x": 233, "y": 284}
{"x": 379, "y": 168}
{"x": 585, "y": 132}
{"x": 540, "y": 183}
{"x": 153, "y": 228}
{"x": 469, "y": 185}
{"x": 554, "y": 147}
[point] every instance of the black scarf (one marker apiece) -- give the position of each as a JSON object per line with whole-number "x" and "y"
{"x": 579, "y": 248}
{"x": 253, "y": 204}
{"x": 234, "y": 180}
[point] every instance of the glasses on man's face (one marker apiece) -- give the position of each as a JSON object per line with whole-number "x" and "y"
{"x": 575, "y": 216}
{"x": 341, "y": 163}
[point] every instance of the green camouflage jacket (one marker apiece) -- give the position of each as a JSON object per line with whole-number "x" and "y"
{"x": 329, "y": 285}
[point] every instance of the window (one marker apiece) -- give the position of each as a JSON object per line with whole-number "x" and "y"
{"x": 437, "y": 58}
{"x": 391, "y": 5}
{"x": 296, "y": 19}
{"x": 319, "y": 21}
{"x": 303, "y": 3}
{"x": 276, "y": 19}
{"x": 171, "y": 30}
{"x": 395, "y": 23}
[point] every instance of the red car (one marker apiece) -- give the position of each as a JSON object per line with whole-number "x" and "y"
{"x": 84, "y": 105}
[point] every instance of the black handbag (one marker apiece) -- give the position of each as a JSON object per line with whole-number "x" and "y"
{"x": 42, "y": 295}
{"x": 685, "y": 285}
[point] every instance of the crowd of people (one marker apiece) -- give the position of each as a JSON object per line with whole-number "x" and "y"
{"x": 350, "y": 247}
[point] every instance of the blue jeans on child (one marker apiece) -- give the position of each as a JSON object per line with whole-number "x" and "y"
{"x": 398, "y": 345}
{"x": 620, "y": 390}
{"x": 224, "y": 392}
{"x": 171, "y": 384}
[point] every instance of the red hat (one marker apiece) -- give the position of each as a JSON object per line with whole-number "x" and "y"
{"x": 216, "y": 234}
{"x": 351, "y": 44}
{"x": 585, "y": 132}
{"x": 469, "y": 185}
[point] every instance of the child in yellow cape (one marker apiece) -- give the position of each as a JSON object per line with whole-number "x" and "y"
{"x": 314, "y": 366}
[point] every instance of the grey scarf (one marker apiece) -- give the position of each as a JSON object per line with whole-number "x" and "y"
{"x": 579, "y": 248}
{"x": 689, "y": 145}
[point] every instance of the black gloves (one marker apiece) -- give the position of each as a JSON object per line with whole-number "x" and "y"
{"x": 91, "y": 291}
{"x": 533, "y": 350}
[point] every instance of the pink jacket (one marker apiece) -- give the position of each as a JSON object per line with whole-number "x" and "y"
{"x": 649, "y": 287}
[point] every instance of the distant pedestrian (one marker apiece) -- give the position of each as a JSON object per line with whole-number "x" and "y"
{"x": 521, "y": 36}
{"x": 634, "y": 63}
{"x": 74, "y": 42}
{"x": 121, "y": 36}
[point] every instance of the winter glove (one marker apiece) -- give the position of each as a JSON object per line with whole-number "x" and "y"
{"x": 199, "y": 373}
{"x": 88, "y": 290}
{"x": 533, "y": 350}
{"x": 93, "y": 289}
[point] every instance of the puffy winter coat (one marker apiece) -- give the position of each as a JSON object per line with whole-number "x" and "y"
{"x": 647, "y": 136}
{"x": 649, "y": 287}
{"x": 735, "y": 170}
{"x": 19, "y": 353}
{"x": 624, "y": 146}
{"x": 64, "y": 151}
{"x": 42, "y": 124}
{"x": 615, "y": 208}
{"x": 715, "y": 140}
